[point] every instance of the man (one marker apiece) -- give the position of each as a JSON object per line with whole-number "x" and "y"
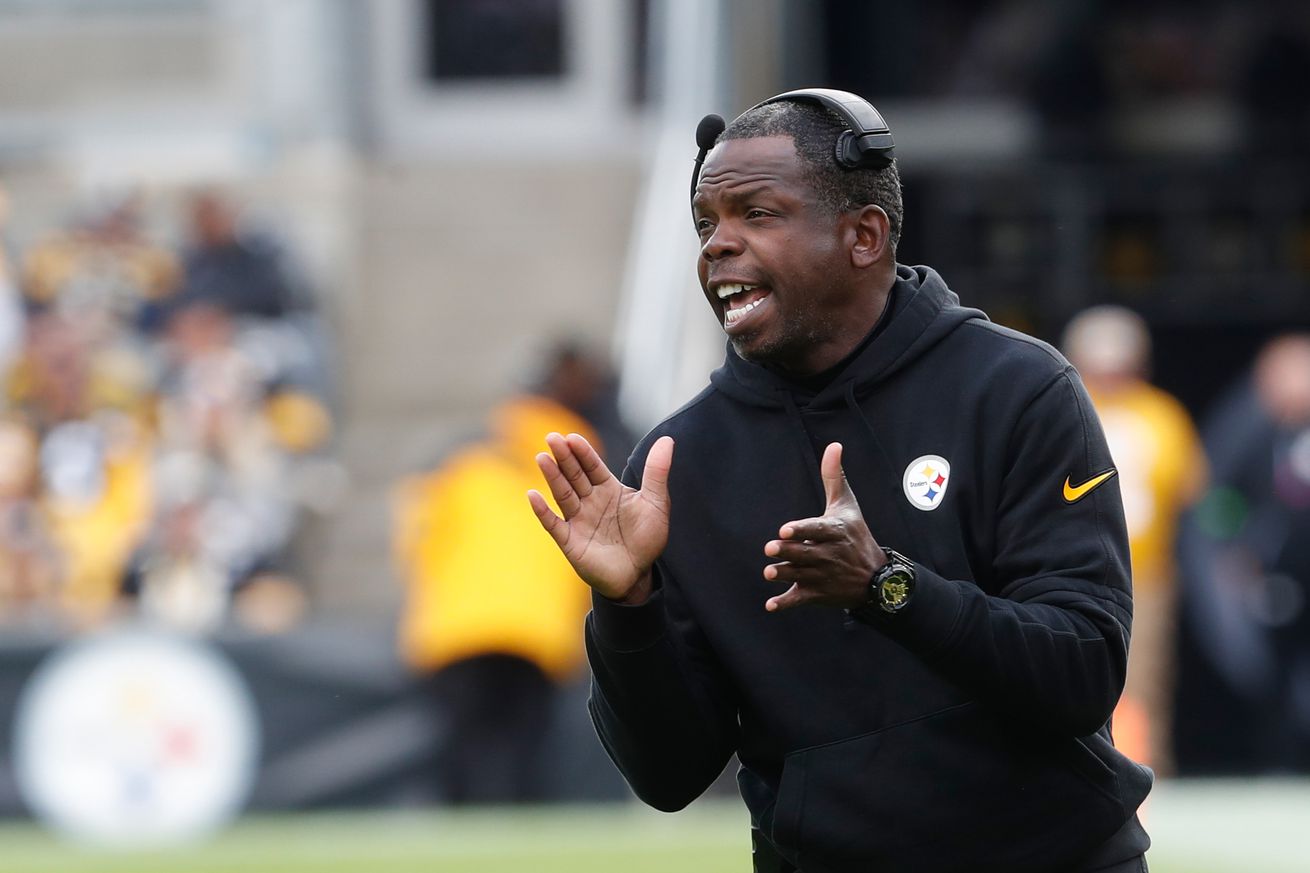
{"x": 245, "y": 275}
{"x": 492, "y": 610}
{"x": 940, "y": 707}
{"x": 1246, "y": 557}
{"x": 1162, "y": 473}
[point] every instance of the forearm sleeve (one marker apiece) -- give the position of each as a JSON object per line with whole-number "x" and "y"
{"x": 662, "y": 711}
{"x": 1051, "y": 643}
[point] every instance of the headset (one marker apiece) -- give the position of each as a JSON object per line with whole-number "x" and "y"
{"x": 865, "y": 143}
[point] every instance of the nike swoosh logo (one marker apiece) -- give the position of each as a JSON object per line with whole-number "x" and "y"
{"x": 1074, "y": 493}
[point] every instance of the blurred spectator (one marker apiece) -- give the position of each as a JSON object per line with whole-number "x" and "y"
{"x": 228, "y": 440}
{"x": 104, "y": 272}
{"x": 243, "y": 274}
{"x": 247, "y": 275}
{"x": 31, "y": 571}
{"x": 11, "y": 309}
{"x": 579, "y": 379}
{"x": 492, "y": 610}
{"x": 1162, "y": 471}
{"x": 1248, "y": 559}
{"x": 86, "y": 413}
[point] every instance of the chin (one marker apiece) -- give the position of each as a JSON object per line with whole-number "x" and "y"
{"x": 744, "y": 348}
{"x": 754, "y": 349}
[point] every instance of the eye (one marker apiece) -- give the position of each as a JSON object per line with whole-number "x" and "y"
{"x": 756, "y": 212}
{"x": 704, "y": 226}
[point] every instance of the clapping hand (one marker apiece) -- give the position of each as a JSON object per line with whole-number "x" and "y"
{"x": 829, "y": 559}
{"x": 610, "y": 533}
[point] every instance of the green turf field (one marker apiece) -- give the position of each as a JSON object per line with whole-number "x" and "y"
{"x": 548, "y": 840}
{"x": 1198, "y": 828}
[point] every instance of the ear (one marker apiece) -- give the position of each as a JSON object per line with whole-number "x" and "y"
{"x": 872, "y": 237}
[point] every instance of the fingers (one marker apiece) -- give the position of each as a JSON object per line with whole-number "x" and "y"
{"x": 823, "y": 529}
{"x": 569, "y": 462}
{"x": 799, "y": 573}
{"x": 822, "y": 560}
{"x": 572, "y": 469}
{"x": 655, "y": 478}
{"x": 565, "y": 497}
{"x": 842, "y": 506}
{"x": 806, "y": 584}
{"x": 795, "y": 551}
{"x": 554, "y": 525}
{"x": 792, "y": 597}
{"x": 835, "y": 486}
{"x": 588, "y": 461}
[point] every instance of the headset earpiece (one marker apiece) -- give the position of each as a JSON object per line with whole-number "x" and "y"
{"x": 847, "y": 151}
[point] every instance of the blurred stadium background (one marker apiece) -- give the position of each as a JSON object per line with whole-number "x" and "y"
{"x": 261, "y": 263}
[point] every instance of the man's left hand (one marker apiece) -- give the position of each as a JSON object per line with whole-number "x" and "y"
{"x": 830, "y": 559}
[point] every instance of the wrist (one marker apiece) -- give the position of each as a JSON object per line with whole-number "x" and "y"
{"x": 627, "y": 628}
{"x": 891, "y": 588}
{"x": 640, "y": 591}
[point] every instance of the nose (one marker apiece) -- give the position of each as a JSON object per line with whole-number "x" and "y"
{"x": 724, "y": 242}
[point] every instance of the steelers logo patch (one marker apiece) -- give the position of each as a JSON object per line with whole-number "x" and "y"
{"x": 926, "y": 480}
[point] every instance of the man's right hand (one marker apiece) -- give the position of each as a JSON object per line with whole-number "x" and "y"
{"x": 610, "y": 533}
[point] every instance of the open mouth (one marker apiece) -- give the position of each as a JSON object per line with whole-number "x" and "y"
{"x": 740, "y": 302}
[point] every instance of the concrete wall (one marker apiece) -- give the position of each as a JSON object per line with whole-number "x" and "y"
{"x": 463, "y": 271}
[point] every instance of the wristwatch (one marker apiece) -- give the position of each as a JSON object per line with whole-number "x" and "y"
{"x": 892, "y": 586}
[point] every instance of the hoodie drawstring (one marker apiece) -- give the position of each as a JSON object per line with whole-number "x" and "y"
{"x": 807, "y": 446}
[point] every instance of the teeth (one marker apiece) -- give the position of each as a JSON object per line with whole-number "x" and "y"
{"x": 732, "y": 316}
{"x": 726, "y": 291}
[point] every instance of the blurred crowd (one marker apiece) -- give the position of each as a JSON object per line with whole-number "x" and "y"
{"x": 164, "y": 422}
{"x": 1219, "y": 524}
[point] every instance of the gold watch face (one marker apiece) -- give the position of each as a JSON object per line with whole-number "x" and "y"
{"x": 894, "y": 591}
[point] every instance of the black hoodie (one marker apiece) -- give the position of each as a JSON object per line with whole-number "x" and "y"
{"x": 968, "y": 731}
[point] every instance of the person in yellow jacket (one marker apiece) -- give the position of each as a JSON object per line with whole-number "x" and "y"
{"x": 86, "y": 409}
{"x": 1162, "y": 472}
{"x": 493, "y": 611}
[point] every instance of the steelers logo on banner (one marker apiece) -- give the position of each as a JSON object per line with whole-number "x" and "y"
{"x": 135, "y": 739}
{"x": 926, "y": 480}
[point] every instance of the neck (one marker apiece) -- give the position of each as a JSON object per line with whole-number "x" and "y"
{"x": 855, "y": 326}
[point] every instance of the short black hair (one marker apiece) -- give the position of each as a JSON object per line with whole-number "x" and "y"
{"x": 814, "y": 129}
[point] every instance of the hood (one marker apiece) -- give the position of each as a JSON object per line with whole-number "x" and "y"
{"x": 924, "y": 311}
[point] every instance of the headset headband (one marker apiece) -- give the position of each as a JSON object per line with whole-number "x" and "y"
{"x": 866, "y": 142}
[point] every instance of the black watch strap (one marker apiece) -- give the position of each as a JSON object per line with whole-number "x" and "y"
{"x": 891, "y": 589}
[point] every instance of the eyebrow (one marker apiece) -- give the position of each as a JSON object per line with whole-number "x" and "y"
{"x": 736, "y": 195}
{"x": 752, "y": 189}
